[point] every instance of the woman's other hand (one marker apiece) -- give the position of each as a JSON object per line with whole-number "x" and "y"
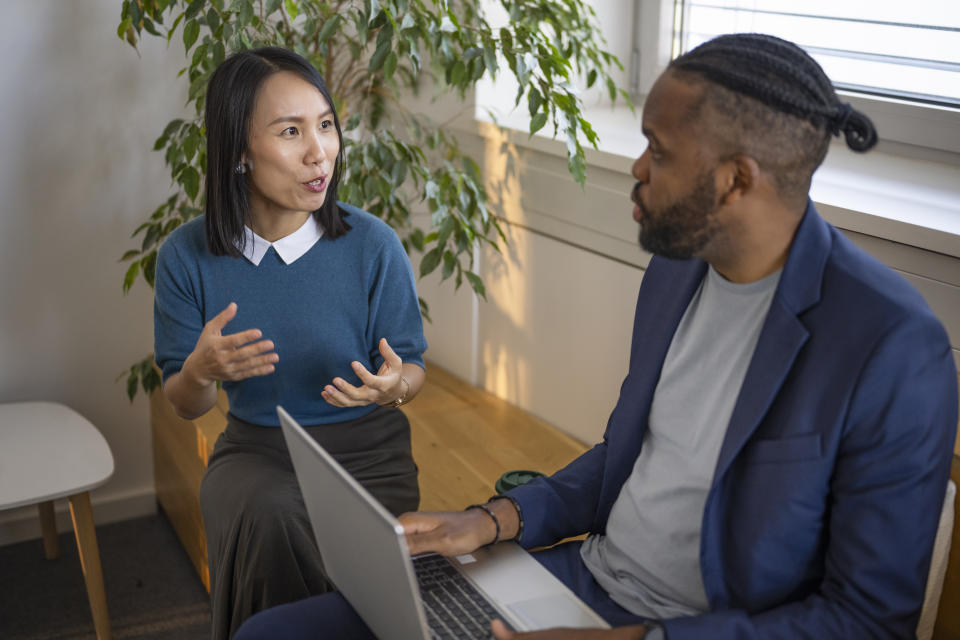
{"x": 384, "y": 387}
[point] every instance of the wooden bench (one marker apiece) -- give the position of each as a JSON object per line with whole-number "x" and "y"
{"x": 463, "y": 440}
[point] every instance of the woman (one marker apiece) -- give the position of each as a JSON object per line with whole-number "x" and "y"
{"x": 286, "y": 297}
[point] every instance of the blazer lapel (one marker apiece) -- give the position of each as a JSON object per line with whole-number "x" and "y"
{"x": 782, "y": 337}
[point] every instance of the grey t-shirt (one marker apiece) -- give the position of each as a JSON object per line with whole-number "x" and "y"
{"x": 649, "y": 558}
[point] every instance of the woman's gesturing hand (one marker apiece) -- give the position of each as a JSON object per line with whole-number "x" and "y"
{"x": 383, "y": 388}
{"x": 236, "y": 356}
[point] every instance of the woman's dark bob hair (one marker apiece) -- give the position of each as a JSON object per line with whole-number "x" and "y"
{"x": 231, "y": 95}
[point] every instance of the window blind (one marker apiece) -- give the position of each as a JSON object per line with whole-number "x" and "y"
{"x": 907, "y": 50}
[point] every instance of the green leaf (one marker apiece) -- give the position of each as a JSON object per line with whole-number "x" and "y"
{"x": 534, "y": 100}
{"x": 132, "y": 383}
{"x": 430, "y": 261}
{"x": 190, "y": 145}
{"x": 149, "y": 266}
{"x": 123, "y": 27}
{"x": 271, "y": 7}
{"x": 292, "y": 8}
{"x": 490, "y": 59}
{"x": 131, "y": 275}
{"x": 416, "y": 239}
{"x": 390, "y": 65}
{"x": 213, "y": 20}
{"x": 193, "y": 9}
{"x": 577, "y": 165}
{"x": 449, "y": 264}
{"x": 329, "y": 28}
{"x": 191, "y": 182}
{"x": 379, "y": 57}
{"x": 150, "y": 27}
{"x": 190, "y": 33}
{"x": 457, "y": 73}
{"x": 591, "y": 78}
{"x": 537, "y": 122}
{"x": 476, "y": 284}
{"x": 129, "y": 254}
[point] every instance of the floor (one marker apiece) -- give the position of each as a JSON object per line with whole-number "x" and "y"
{"x": 153, "y": 592}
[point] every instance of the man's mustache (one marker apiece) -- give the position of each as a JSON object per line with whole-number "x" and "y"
{"x": 635, "y": 196}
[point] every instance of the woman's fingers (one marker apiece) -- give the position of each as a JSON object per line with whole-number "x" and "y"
{"x": 389, "y": 355}
{"x": 338, "y": 398}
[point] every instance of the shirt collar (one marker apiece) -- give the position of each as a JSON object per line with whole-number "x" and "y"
{"x": 289, "y": 248}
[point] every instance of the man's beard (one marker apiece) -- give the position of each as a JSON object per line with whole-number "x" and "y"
{"x": 682, "y": 229}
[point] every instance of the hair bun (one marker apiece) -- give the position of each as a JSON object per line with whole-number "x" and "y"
{"x": 856, "y": 127}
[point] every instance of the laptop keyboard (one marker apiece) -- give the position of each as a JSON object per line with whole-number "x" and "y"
{"x": 454, "y": 607}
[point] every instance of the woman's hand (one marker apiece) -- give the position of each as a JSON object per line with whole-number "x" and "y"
{"x": 383, "y": 388}
{"x": 192, "y": 390}
{"x": 237, "y": 356}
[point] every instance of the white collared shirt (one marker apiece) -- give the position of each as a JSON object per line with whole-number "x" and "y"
{"x": 289, "y": 248}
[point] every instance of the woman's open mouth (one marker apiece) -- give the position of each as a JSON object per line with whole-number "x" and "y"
{"x": 318, "y": 185}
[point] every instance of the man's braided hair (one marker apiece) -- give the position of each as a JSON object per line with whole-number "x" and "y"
{"x": 775, "y": 103}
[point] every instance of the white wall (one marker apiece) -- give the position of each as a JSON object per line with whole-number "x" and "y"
{"x": 80, "y": 112}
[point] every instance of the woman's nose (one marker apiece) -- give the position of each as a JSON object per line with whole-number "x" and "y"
{"x": 316, "y": 153}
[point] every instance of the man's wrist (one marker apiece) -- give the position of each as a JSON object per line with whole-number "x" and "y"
{"x": 508, "y": 515}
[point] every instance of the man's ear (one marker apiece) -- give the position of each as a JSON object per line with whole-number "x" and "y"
{"x": 739, "y": 177}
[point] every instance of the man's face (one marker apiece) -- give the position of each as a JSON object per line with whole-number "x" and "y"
{"x": 675, "y": 195}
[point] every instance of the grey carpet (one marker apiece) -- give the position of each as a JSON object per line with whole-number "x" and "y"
{"x": 153, "y": 592}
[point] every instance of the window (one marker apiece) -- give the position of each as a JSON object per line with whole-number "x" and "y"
{"x": 897, "y": 61}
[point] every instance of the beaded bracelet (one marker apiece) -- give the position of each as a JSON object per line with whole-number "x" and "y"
{"x": 496, "y": 521}
{"x": 516, "y": 505}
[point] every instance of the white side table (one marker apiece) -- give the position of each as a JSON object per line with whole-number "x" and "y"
{"x": 49, "y": 451}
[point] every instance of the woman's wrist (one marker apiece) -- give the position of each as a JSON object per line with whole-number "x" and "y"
{"x": 402, "y": 398}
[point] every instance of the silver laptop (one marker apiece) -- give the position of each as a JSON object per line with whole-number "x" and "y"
{"x": 365, "y": 554}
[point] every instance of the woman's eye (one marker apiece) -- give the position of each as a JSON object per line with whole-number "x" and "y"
{"x": 290, "y": 131}
{"x": 326, "y": 124}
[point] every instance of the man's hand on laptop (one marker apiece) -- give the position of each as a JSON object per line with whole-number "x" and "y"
{"x": 453, "y": 533}
{"x": 633, "y": 632}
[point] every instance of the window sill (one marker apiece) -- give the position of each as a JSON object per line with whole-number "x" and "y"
{"x": 883, "y": 193}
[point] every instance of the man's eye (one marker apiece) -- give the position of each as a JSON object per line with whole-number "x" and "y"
{"x": 290, "y": 131}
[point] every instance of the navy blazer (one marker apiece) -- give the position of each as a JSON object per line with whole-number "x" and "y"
{"x": 827, "y": 493}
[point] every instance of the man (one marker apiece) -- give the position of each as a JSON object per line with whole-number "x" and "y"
{"x": 776, "y": 463}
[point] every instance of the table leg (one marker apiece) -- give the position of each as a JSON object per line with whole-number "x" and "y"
{"x": 82, "y": 514}
{"x": 48, "y": 525}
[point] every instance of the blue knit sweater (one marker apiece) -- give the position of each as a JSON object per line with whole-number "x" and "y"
{"x": 326, "y": 309}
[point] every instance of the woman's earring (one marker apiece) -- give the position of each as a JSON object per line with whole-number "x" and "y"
{"x": 240, "y": 168}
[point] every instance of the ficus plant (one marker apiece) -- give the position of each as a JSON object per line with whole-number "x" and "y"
{"x": 372, "y": 53}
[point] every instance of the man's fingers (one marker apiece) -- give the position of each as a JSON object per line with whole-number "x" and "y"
{"x": 219, "y": 321}
{"x": 500, "y": 631}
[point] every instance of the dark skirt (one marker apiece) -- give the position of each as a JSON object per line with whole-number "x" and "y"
{"x": 260, "y": 544}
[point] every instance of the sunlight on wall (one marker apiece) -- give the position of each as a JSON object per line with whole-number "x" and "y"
{"x": 501, "y": 371}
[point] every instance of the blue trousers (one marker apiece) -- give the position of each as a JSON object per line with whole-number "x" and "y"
{"x": 331, "y": 616}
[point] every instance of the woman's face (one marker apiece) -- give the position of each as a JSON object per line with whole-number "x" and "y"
{"x": 291, "y": 151}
